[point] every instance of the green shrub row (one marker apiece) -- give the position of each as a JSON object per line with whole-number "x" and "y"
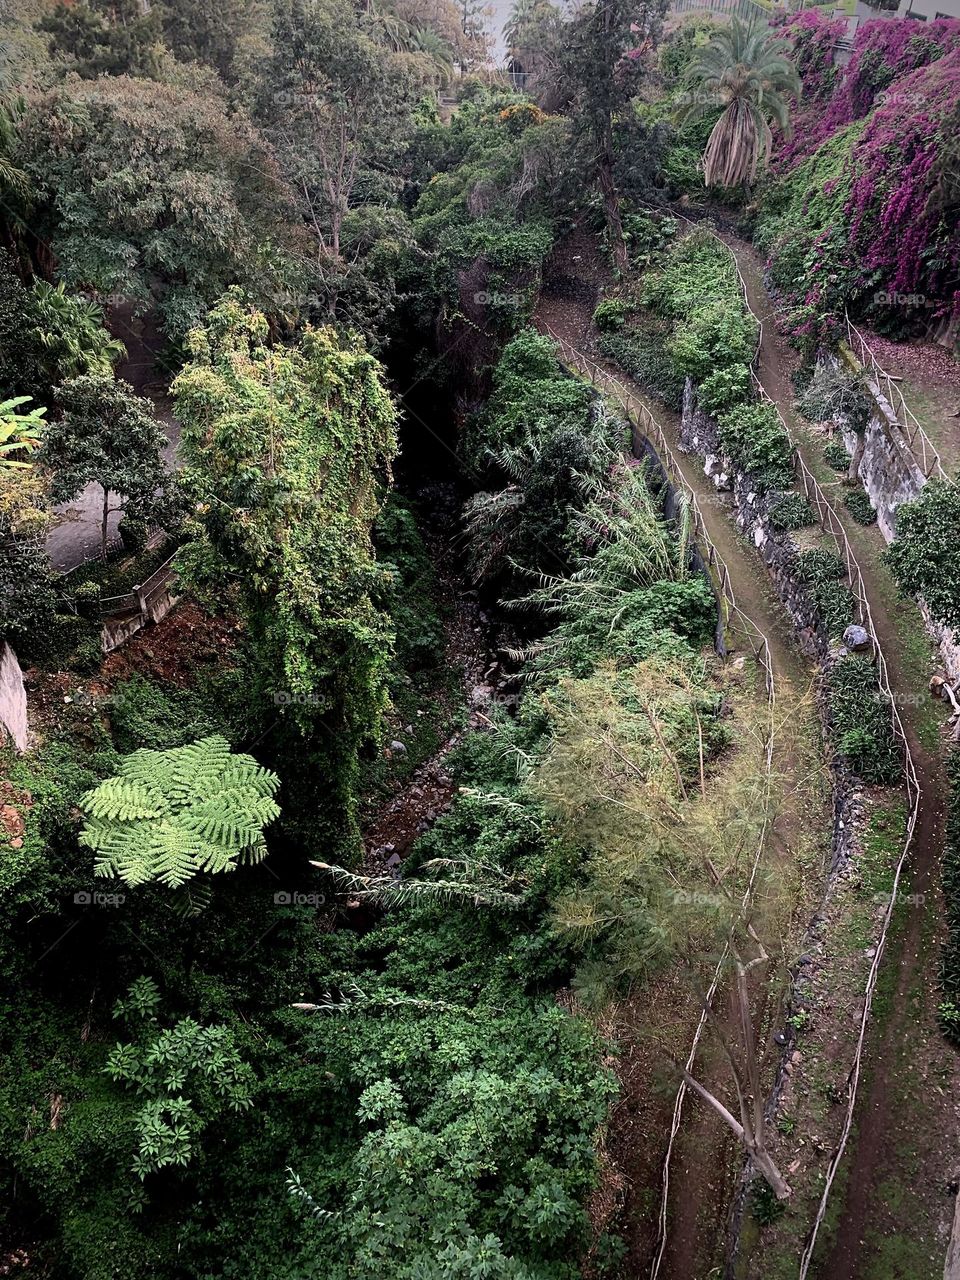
{"x": 822, "y": 572}
{"x": 791, "y": 511}
{"x": 861, "y": 727}
{"x": 711, "y": 339}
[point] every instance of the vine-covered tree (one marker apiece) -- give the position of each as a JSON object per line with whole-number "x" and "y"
{"x": 286, "y": 449}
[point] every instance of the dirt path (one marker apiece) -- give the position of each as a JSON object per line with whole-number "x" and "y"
{"x": 885, "y": 1229}
{"x": 705, "y": 1156}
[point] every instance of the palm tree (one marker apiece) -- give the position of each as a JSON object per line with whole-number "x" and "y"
{"x": 71, "y": 329}
{"x": 744, "y": 70}
{"x": 436, "y": 51}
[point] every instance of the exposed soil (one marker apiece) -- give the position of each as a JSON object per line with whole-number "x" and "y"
{"x": 172, "y": 649}
{"x": 481, "y": 680}
{"x": 887, "y": 1131}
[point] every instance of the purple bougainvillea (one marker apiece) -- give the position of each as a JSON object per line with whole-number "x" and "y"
{"x": 884, "y": 51}
{"x": 814, "y": 38}
{"x": 862, "y": 215}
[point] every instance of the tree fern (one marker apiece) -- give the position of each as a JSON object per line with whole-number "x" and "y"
{"x": 169, "y": 815}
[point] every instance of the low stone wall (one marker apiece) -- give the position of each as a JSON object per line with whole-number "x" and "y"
{"x": 13, "y": 698}
{"x": 891, "y": 475}
{"x": 811, "y": 985}
{"x": 887, "y": 469}
{"x": 699, "y": 434}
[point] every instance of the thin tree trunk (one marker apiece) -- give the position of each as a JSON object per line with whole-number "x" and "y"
{"x": 611, "y": 201}
{"x": 853, "y": 475}
{"x": 755, "y": 1149}
{"x": 104, "y": 520}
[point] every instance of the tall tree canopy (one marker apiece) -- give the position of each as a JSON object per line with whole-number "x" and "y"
{"x": 157, "y": 192}
{"x": 600, "y": 70}
{"x": 337, "y": 100}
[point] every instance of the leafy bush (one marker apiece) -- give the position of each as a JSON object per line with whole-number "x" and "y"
{"x": 821, "y": 570}
{"x": 860, "y": 721}
{"x": 714, "y": 347}
{"x": 835, "y": 455}
{"x": 641, "y": 354}
{"x": 791, "y": 511}
{"x": 753, "y": 435}
{"x": 611, "y": 314}
{"x": 923, "y": 555}
{"x": 860, "y": 507}
{"x": 647, "y": 235}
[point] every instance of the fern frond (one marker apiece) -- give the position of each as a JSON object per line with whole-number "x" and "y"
{"x": 168, "y": 815}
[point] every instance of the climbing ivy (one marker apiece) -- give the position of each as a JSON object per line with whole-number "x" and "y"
{"x": 286, "y": 452}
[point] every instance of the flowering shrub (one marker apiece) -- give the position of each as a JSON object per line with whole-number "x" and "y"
{"x": 814, "y": 38}
{"x": 883, "y": 52}
{"x": 864, "y": 221}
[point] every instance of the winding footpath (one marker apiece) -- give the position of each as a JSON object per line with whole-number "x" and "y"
{"x": 696, "y": 1188}
{"x": 889, "y": 1212}
{"x": 905, "y": 1038}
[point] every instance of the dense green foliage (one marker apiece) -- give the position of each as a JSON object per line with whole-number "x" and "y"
{"x": 155, "y": 193}
{"x": 923, "y": 556}
{"x": 316, "y": 895}
{"x": 822, "y": 572}
{"x": 859, "y": 720}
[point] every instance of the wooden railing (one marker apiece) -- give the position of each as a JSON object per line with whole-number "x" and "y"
{"x": 832, "y": 524}
{"x": 637, "y": 412}
{"x": 921, "y": 446}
